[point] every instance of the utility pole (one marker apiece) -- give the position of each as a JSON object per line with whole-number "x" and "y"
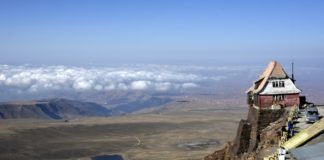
{"x": 292, "y": 72}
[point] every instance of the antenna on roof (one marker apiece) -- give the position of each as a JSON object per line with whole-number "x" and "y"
{"x": 292, "y": 72}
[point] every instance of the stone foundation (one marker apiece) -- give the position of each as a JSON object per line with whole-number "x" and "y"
{"x": 252, "y": 134}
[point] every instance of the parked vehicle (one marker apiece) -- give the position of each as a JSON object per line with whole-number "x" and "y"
{"x": 311, "y": 114}
{"x": 311, "y": 105}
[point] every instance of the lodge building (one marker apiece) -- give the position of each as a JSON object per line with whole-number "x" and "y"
{"x": 273, "y": 88}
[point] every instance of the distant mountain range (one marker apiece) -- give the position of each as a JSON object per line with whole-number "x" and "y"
{"x": 52, "y": 109}
{"x": 135, "y": 103}
{"x": 60, "y": 108}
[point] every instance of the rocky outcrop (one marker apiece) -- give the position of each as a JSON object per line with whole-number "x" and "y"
{"x": 261, "y": 130}
{"x": 242, "y": 141}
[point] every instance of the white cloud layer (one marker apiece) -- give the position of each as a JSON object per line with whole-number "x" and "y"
{"x": 35, "y": 79}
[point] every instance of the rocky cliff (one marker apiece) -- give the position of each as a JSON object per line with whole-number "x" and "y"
{"x": 261, "y": 129}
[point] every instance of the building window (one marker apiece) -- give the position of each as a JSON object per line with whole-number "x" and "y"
{"x": 281, "y": 84}
{"x": 274, "y": 84}
{"x": 278, "y": 84}
{"x": 279, "y": 97}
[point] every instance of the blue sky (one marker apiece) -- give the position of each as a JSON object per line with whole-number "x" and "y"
{"x": 80, "y": 32}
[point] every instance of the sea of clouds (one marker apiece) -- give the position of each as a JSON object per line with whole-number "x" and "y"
{"x": 26, "y": 78}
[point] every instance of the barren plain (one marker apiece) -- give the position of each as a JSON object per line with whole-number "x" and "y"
{"x": 186, "y": 129}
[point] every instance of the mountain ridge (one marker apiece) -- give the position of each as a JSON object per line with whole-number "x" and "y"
{"x": 57, "y": 108}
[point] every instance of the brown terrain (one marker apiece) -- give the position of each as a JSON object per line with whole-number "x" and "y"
{"x": 187, "y": 128}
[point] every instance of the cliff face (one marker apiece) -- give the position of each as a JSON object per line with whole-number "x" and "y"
{"x": 260, "y": 130}
{"x": 51, "y": 109}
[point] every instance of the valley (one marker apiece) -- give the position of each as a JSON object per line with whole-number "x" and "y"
{"x": 182, "y": 130}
